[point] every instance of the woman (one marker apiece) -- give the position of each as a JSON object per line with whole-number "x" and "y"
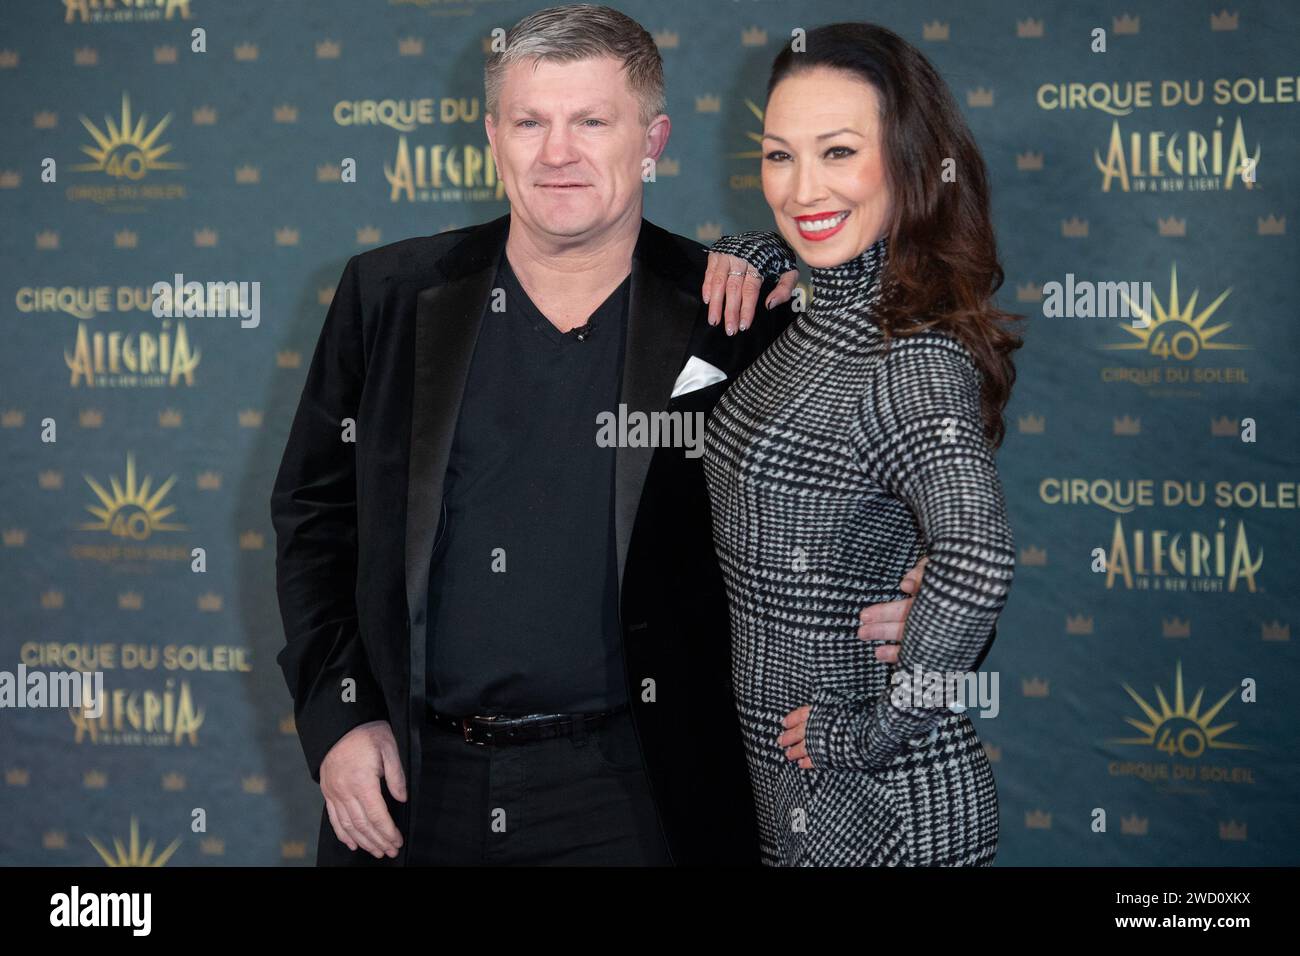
{"x": 860, "y": 440}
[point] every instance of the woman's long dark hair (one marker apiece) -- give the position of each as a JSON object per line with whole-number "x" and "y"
{"x": 942, "y": 269}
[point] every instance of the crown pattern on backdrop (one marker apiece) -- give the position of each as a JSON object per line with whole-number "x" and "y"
{"x": 247, "y": 175}
{"x": 8, "y": 59}
{"x": 1133, "y": 825}
{"x": 708, "y": 103}
{"x": 1031, "y": 424}
{"x": 666, "y": 39}
{"x": 85, "y": 56}
{"x": 250, "y": 418}
{"x": 285, "y": 113}
{"x": 246, "y": 52}
{"x": 753, "y": 36}
{"x": 1275, "y": 630}
{"x": 979, "y": 97}
{"x": 1125, "y": 25}
{"x": 126, "y": 239}
{"x": 50, "y": 480}
{"x": 1032, "y": 556}
{"x": 328, "y": 50}
{"x": 205, "y": 238}
{"x": 1176, "y": 627}
{"x": 1173, "y": 226}
{"x": 164, "y": 54}
{"x": 367, "y": 236}
{"x": 130, "y": 601}
{"x": 1038, "y": 820}
{"x": 251, "y": 540}
{"x": 1272, "y": 225}
{"x": 1074, "y": 228}
{"x": 45, "y": 119}
{"x": 410, "y": 46}
{"x": 1029, "y": 292}
{"x": 210, "y": 602}
{"x": 1127, "y": 425}
{"x": 1029, "y": 161}
{"x": 10, "y": 179}
{"x": 286, "y": 236}
{"x": 52, "y": 600}
{"x": 1223, "y": 427}
{"x": 15, "y": 537}
{"x": 203, "y": 116}
{"x": 47, "y": 239}
{"x": 707, "y": 232}
{"x": 935, "y": 31}
{"x": 1029, "y": 29}
{"x": 1232, "y": 830}
{"x": 288, "y": 359}
{"x": 1223, "y": 20}
{"x": 1033, "y": 687}
{"x": 1078, "y": 624}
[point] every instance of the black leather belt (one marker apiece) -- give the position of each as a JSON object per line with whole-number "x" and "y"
{"x": 499, "y": 730}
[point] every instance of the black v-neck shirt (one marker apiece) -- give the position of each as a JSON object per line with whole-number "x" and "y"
{"x": 523, "y": 590}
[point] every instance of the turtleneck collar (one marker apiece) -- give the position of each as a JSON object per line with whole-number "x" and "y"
{"x": 851, "y": 281}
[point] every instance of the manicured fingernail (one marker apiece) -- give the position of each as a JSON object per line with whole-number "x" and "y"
{"x": 706, "y": 300}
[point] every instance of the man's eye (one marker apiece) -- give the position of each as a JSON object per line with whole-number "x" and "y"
{"x": 777, "y": 156}
{"x": 596, "y": 121}
{"x": 840, "y": 152}
{"x": 525, "y": 122}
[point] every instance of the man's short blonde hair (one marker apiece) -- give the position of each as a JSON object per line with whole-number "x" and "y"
{"x": 581, "y": 31}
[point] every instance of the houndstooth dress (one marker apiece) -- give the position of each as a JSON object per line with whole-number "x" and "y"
{"x": 833, "y": 463}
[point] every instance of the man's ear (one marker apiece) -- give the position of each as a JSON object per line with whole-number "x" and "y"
{"x": 656, "y": 136}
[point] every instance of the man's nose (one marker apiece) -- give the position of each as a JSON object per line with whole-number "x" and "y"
{"x": 557, "y": 148}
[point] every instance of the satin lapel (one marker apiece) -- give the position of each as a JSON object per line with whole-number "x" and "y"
{"x": 447, "y": 319}
{"x": 661, "y": 315}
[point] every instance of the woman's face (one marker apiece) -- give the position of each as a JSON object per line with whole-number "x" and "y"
{"x": 824, "y": 167}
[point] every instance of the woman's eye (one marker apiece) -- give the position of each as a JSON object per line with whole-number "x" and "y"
{"x": 840, "y": 152}
{"x": 777, "y": 156}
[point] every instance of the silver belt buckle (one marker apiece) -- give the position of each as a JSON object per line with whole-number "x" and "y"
{"x": 466, "y": 728}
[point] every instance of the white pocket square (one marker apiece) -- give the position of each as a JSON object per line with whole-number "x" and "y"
{"x": 697, "y": 374}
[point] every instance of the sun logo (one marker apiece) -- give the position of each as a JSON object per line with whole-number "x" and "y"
{"x": 1180, "y": 730}
{"x": 751, "y": 135}
{"x": 132, "y": 511}
{"x": 124, "y": 149}
{"x": 134, "y": 855}
{"x": 1179, "y": 331}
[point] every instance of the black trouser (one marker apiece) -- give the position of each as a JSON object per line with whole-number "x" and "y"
{"x": 581, "y": 799}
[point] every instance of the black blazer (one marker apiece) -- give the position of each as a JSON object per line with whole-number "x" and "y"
{"x": 355, "y": 523}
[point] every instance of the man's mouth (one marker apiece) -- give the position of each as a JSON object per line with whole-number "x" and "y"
{"x": 819, "y": 226}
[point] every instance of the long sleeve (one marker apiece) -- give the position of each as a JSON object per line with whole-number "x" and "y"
{"x": 313, "y": 510}
{"x": 768, "y": 252}
{"x": 921, "y": 438}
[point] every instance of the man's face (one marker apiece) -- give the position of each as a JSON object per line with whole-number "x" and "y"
{"x": 569, "y": 143}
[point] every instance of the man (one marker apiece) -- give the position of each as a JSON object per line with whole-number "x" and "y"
{"x": 507, "y": 641}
